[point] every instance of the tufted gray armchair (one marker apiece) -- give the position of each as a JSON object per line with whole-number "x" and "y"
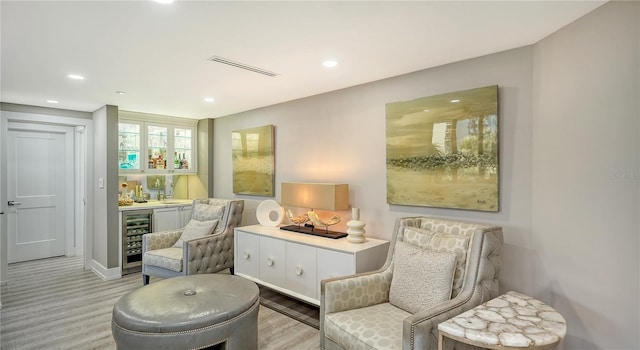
{"x": 207, "y": 254}
{"x": 355, "y": 312}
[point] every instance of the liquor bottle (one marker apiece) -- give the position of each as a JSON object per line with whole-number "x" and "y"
{"x": 151, "y": 162}
{"x": 159, "y": 162}
{"x": 184, "y": 164}
{"x": 176, "y": 160}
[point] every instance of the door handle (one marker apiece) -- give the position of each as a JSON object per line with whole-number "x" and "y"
{"x": 13, "y": 203}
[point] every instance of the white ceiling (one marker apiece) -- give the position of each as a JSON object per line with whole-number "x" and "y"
{"x": 158, "y": 53}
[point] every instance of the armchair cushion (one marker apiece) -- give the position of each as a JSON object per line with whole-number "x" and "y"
{"x": 417, "y": 236}
{"x": 448, "y": 226}
{"x": 167, "y": 258}
{"x": 159, "y": 240}
{"x": 204, "y": 212}
{"x": 458, "y": 245}
{"x": 195, "y": 229}
{"x": 421, "y": 278}
{"x": 373, "y": 327}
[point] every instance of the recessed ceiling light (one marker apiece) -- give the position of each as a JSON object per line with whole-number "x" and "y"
{"x": 120, "y": 92}
{"x": 75, "y": 76}
{"x": 330, "y": 63}
{"x": 163, "y": 1}
{"x": 426, "y": 110}
{"x": 209, "y": 99}
{"x": 454, "y": 101}
{"x": 52, "y": 101}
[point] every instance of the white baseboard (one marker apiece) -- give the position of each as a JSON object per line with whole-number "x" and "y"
{"x": 105, "y": 273}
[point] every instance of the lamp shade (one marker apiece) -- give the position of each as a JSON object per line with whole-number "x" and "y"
{"x": 323, "y": 196}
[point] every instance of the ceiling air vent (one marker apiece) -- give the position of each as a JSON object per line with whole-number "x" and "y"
{"x": 242, "y": 66}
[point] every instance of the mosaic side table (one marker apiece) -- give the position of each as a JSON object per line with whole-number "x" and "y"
{"x": 510, "y": 321}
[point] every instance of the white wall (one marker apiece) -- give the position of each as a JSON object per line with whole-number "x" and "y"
{"x": 586, "y": 176}
{"x": 569, "y": 164}
{"x": 340, "y": 137}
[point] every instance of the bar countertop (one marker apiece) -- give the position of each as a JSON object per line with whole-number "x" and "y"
{"x": 153, "y": 204}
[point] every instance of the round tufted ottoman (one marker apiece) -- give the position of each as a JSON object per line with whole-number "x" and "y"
{"x": 189, "y": 312}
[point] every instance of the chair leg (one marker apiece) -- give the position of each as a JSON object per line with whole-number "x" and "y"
{"x": 145, "y": 280}
{"x": 231, "y": 270}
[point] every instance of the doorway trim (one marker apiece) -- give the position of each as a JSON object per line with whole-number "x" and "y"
{"x": 79, "y": 120}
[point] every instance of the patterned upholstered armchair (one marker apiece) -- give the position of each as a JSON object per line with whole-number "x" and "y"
{"x": 435, "y": 269}
{"x": 198, "y": 253}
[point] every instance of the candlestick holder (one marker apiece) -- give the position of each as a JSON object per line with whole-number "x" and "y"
{"x": 355, "y": 231}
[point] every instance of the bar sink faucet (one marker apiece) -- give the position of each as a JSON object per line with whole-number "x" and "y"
{"x": 160, "y": 196}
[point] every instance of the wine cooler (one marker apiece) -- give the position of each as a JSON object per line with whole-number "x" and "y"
{"x": 135, "y": 223}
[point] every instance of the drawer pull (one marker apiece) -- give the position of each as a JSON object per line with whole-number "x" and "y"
{"x": 246, "y": 255}
{"x": 269, "y": 261}
{"x": 299, "y": 270}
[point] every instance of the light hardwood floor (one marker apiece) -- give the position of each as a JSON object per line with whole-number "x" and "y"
{"x": 56, "y": 304}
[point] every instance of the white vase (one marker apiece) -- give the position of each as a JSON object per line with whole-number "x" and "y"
{"x": 355, "y": 231}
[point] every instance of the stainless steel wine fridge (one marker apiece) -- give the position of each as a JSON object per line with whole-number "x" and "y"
{"x": 135, "y": 223}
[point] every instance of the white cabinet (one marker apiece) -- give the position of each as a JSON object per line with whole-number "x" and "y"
{"x": 185, "y": 215}
{"x": 248, "y": 255}
{"x": 272, "y": 261}
{"x": 334, "y": 264}
{"x": 294, "y": 263}
{"x": 166, "y": 219}
{"x": 171, "y": 218}
{"x": 301, "y": 269}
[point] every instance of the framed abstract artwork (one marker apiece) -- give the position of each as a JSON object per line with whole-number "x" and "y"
{"x": 252, "y": 152}
{"x": 442, "y": 151}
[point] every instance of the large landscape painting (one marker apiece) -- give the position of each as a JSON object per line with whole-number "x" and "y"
{"x": 442, "y": 151}
{"x": 253, "y": 161}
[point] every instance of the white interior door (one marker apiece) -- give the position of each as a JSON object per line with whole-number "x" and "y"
{"x": 37, "y": 220}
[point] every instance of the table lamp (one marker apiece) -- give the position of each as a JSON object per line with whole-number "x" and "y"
{"x": 323, "y": 196}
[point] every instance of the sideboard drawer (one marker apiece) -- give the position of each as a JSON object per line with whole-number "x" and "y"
{"x": 272, "y": 261}
{"x": 247, "y": 260}
{"x": 334, "y": 264}
{"x": 301, "y": 269}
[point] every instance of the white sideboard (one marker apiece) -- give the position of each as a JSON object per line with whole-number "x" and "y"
{"x": 295, "y": 263}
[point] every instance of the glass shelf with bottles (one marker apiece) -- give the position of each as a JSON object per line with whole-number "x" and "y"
{"x": 157, "y": 140}
{"x": 128, "y": 146}
{"x": 182, "y": 146}
{"x": 148, "y": 147}
{"x": 163, "y": 142}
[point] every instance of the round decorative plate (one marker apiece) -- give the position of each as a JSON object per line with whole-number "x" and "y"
{"x": 269, "y": 213}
